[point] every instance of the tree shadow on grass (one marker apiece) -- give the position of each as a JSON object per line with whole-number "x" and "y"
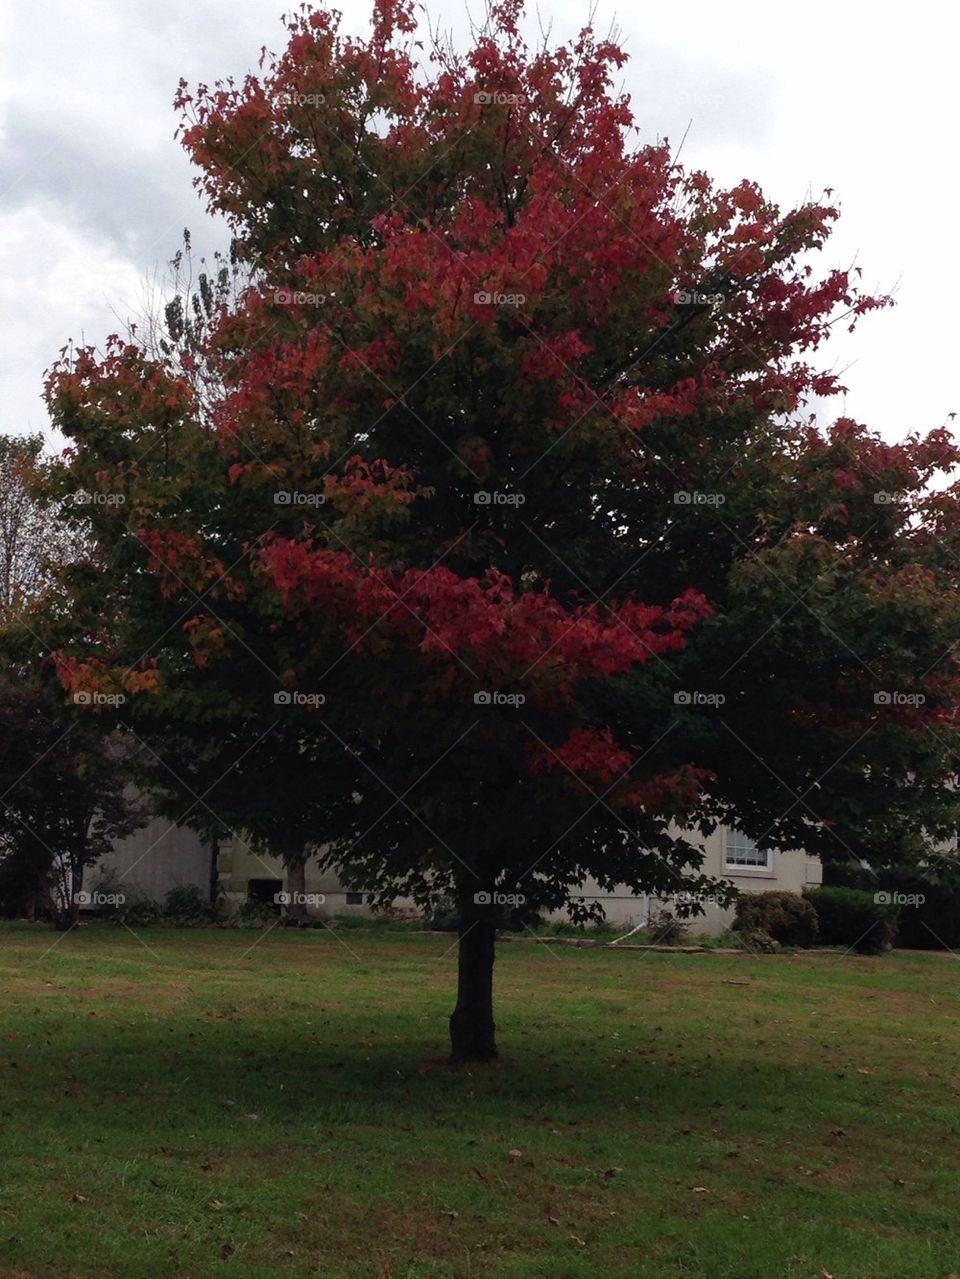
{"x": 340, "y": 1074}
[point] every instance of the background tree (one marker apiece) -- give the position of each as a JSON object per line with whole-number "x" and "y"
{"x": 499, "y": 476}
{"x": 62, "y": 796}
{"x": 31, "y": 538}
{"x": 63, "y": 806}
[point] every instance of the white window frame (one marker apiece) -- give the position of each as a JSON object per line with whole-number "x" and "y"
{"x": 734, "y": 840}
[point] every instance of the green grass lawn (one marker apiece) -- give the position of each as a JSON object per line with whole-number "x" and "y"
{"x": 213, "y": 1103}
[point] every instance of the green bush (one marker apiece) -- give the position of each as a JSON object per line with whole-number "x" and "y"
{"x": 135, "y": 908}
{"x": 110, "y": 896}
{"x": 141, "y": 912}
{"x": 756, "y": 941}
{"x": 186, "y": 907}
{"x": 255, "y": 913}
{"x": 443, "y": 916}
{"x": 786, "y": 917}
{"x": 853, "y": 917}
{"x": 930, "y": 902}
{"x": 664, "y": 929}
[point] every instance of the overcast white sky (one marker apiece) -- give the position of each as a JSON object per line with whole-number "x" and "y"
{"x": 94, "y": 191}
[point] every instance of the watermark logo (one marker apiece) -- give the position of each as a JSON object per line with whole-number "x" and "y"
{"x": 288, "y": 497}
{"x": 691, "y": 297}
{"x": 482, "y": 298}
{"x": 693, "y": 697}
{"x": 498, "y": 498}
{"x": 93, "y": 698}
{"x": 884, "y": 499}
{"x": 898, "y": 698}
{"x": 292, "y": 297}
{"x": 483, "y": 98}
{"x": 688, "y": 898}
{"x": 686, "y": 498}
{"x": 83, "y": 497}
{"x": 98, "y": 898}
{"x": 298, "y": 899}
{"x": 298, "y": 699}
{"x": 496, "y": 698}
{"x": 499, "y": 899}
{"x": 287, "y": 99}
{"x": 899, "y": 899}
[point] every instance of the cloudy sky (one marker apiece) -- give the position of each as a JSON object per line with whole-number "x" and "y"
{"x": 94, "y": 191}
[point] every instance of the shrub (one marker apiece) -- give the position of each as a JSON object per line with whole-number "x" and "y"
{"x": 852, "y": 917}
{"x": 756, "y": 941}
{"x": 664, "y": 929}
{"x": 141, "y": 912}
{"x": 255, "y": 913}
{"x": 110, "y": 896}
{"x": 786, "y": 917}
{"x": 443, "y": 916}
{"x": 19, "y": 890}
{"x": 521, "y": 919}
{"x": 186, "y": 906}
{"x": 930, "y": 918}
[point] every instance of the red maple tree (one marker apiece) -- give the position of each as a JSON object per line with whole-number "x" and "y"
{"x": 502, "y": 449}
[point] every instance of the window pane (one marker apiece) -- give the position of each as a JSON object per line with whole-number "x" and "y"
{"x": 742, "y": 851}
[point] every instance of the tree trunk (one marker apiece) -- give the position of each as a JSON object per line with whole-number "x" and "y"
{"x": 472, "y": 1028}
{"x": 213, "y": 883}
{"x": 297, "y": 887}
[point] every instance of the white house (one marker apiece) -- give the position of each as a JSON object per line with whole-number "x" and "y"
{"x": 728, "y": 855}
{"x": 161, "y": 855}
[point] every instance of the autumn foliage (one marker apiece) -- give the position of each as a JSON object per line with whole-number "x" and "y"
{"x": 508, "y": 402}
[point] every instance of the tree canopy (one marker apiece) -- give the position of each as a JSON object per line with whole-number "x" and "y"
{"x": 485, "y": 539}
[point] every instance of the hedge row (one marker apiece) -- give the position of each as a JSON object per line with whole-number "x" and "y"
{"x": 930, "y": 919}
{"x": 856, "y": 918}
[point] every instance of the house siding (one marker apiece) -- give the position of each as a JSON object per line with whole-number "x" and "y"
{"x": 789, "y": 871}
{"x": 161, "y": 856}
{"x": 154, "y": 859}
